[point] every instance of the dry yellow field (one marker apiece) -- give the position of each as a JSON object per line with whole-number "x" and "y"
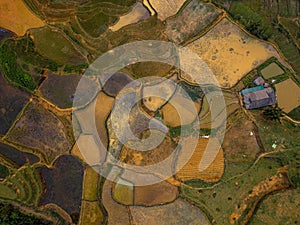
{"x": 155, "y": 96}
{"x": 138, "y": 13}
{"x": 190, "y": 170}
{"x": 104, "y": 104}
{"x": 16, "y": 17}
{"x": 288, "y": 95}
{"x": 230, "y": 52}
{"x": 166, "y": 8}
{"x": 180, "y": 110}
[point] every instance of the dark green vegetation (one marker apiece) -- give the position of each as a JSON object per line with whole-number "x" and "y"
{"x": 21, "y": 64}
{"x": 11, "y": 103}
{"x": 285, "y": 135}
{"x": 23, "y": 185}
{"x": 12, "y": 71}
{"x": 292, "y": 26}
{"x": 260, "y": 18}
{"x": 295, "y": 114}
{"x": 17, "y": 157}
{"x": 285, "y": 206}
{"x": 60, "y": 90}
{"x": 13, "y": 216}
{"x": 4, "y": 171}
{"x": 63, "y": 184}
{"x": 194, "y": 92}
{"x": 273, "y": 113}
{"x": 253, "y": 22}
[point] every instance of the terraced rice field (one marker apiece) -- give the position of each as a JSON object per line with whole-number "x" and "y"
{"x": 191, "y": 170}
{"x": 5, "y": 33}
{"x": 283, "y": 211}
{"x": 288, "y": 95}
{"x": 55, "y": 46}
{"x": 227, "y": 43}
{"x": 16, "y": 17}
{"x": 138, "y": 13}
{"x": 90, "y": 212}
{"x": 166, "y": 8}
{"x": 272, "y": 70}
{"x": 24, "y": 185}
{"x": 155, "y": 96}
{"x": 180, "y": 110}
{"x": 193, "y": 19}
{"x": 216, "y": 102}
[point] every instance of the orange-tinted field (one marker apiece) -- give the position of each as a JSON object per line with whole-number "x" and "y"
{"x": 15, "y": 16}
{"x": 191, "y": 170}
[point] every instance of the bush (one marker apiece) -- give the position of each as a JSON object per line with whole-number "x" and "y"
{"x": 12, "y": 70}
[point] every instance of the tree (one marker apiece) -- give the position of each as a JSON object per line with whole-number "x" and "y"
{"x": 273, "y": 113}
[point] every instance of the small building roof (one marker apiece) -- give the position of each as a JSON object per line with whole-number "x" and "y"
{"x": 259, "y": 81}
{"x": 260, "y": 98}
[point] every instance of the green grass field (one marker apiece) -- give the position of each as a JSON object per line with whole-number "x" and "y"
{"x": 221, "y": 201}
{"x": 55, "y": 46}
{"x": 7, "y": 192}
{"x": 272, "y": 70}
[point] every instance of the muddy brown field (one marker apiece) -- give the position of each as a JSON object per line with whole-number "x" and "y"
{"x": 11, "y": 103}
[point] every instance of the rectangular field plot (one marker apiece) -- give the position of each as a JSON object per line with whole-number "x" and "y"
{"x": 272, "y": 70}
{"x": 288, "y": 95}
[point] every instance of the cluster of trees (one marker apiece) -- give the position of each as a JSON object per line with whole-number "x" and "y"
{"x": 273, "y": 113}
{"x": 11, "y": 215}
{"x": 23, "y": 50}
{"x": 252, "y": 21}
{"x": 14, "y": 73}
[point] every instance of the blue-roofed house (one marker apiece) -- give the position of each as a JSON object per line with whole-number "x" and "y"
{"x": 253, "y": 89}
{"x": 259, "y": 98}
